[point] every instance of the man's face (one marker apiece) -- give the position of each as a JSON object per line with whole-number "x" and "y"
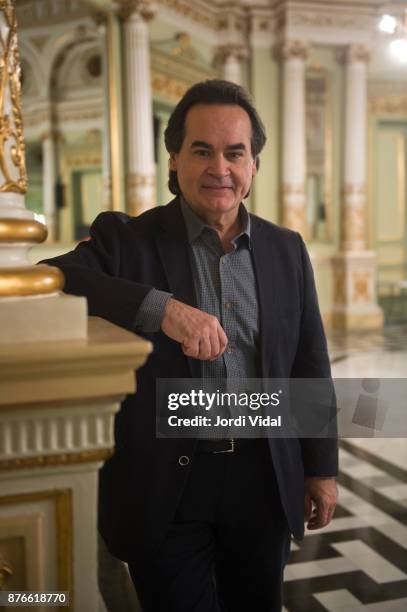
{"x": 215, "y": 166}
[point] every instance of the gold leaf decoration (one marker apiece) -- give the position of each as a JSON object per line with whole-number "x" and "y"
{"x": 12, "y": 148}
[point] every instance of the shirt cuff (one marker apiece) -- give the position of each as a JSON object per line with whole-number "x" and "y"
{"x": 151, "y": 311}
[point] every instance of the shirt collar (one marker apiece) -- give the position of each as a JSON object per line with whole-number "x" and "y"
{"x": 195, "y": 225}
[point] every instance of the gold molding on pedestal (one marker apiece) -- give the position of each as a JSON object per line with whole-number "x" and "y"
{"x": 39, "y": 461}
{"x": 11, "y": 126}
{"x": 30, "y": 280}
{"x": 64, "y": 530}
{"x": 22, "y": 230}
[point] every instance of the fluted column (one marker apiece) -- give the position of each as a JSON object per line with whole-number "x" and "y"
{"x": 293, "y": 55}
{"x": 229, "y": 59}
{"x": 49, "y": 179}
{"x": 354, "y": 267}
{"x": 107, "y": 203}
{"x": 140, "y": 177}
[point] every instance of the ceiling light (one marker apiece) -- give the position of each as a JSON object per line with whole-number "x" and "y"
{"x": 388, "y": 24}
{"x": 398, "y": 49}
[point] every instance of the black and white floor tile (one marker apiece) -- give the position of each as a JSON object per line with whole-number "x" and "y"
{"x": 359, "y": 562}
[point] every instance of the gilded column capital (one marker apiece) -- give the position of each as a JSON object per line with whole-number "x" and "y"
{"x": 354, "y": 53}
{"x": 291, "y": 49}
{"x": 238, "y": 52}
{"x": 146, "y": 9}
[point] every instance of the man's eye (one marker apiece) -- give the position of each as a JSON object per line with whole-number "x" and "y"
{"x": 235, "y": 154}
{"x": 201, "y": 153}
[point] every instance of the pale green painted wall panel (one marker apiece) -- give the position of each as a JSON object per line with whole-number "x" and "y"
{"x": 264, "y": 84}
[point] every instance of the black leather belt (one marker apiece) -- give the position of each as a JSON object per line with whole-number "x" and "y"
{"x": 226, "y": 446}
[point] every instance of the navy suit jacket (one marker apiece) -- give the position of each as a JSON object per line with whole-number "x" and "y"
{"x": 140, "y": 486}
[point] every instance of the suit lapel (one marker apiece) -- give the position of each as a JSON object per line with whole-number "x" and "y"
{"x": 173, "y": 249}
{"x": 265, "y": 271}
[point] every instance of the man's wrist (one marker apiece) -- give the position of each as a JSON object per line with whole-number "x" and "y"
{"x": 151, "y": 312}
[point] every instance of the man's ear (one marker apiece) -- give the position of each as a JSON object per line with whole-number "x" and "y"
{"x": 172, "y": 162}
{"x": 254, "y": 167}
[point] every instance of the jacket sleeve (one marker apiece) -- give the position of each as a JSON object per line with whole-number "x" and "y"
{"x": 320, "y": 455}
{"x": 92, "y": 270}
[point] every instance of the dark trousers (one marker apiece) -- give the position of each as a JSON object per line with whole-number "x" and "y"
{"x": 229, "y": 541}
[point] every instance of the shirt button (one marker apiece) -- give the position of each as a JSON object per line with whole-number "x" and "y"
{"x": 183, "y": 460}
{"x": 228, "y": 305}
{"x": 229, "y": 349}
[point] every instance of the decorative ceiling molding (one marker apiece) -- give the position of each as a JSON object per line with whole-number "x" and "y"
{"x": 264, "y": 22}
{"x": 34, "y": 13}
{"x": 387, "y": 97}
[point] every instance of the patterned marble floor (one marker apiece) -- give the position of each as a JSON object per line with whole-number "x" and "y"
{"x": 359, "y": 562}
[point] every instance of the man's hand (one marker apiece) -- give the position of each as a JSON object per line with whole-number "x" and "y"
{"x": 321, "y": 495}
{"x": 200, "y": 334}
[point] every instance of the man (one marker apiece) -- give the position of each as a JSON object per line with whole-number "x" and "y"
{"x": 206, "y": 526}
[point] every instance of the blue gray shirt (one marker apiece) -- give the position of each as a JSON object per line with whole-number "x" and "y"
{"x": 225, "y": 286}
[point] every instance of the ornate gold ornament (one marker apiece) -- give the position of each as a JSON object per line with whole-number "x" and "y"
{"x": 168, "y": 86}
{"x": 360, "y": 281}
{"x": 30, "y": 280}
{"x": 200, "y": 15}
{"x": 12, "y": 148}
{"x": 388, "y": 104}
{"x": 321, "y": 19}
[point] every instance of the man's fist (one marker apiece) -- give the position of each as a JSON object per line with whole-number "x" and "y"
{"x": 200, "y": 334}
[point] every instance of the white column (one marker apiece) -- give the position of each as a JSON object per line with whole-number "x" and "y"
{"x": 229, "y": 58}
{"x": 107, "y": 203}
{"x": 49, "y": 178}
{"x": 140, "y": 178}
{"x": 353, "y": 230}
{"x": 354, "y": 267}
{"x": 293, "y": 55}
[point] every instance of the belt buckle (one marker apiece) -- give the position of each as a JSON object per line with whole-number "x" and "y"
{"x": 229, "y": 450}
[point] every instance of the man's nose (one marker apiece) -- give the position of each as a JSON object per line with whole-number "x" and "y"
{"x": 219, "y": 165}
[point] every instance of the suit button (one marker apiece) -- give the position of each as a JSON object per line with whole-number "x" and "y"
{"x": 183, "y": 460}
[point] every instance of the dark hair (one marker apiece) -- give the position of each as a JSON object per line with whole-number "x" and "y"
{"x": 214, "y": 91}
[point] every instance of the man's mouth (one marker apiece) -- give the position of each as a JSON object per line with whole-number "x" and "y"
{"x": 217, "y": 187}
